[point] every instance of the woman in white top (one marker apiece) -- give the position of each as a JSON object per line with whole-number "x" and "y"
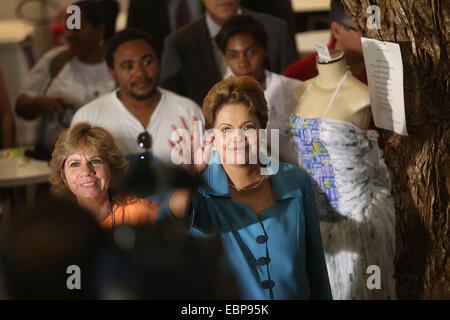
{"x": 68, "y": 77}
{"x": 243, "y": 41}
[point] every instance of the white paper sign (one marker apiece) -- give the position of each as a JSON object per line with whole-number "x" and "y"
{"x": 384, "y": 68}
{"x": 323, "y": 52}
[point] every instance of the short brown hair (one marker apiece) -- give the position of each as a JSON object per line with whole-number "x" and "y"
{"x": 83, "y": 135}
{"x": 235, "y": 90}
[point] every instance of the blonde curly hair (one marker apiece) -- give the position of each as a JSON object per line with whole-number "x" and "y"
{"x": 234, "y": 90}
{"x": 80, "y": 136}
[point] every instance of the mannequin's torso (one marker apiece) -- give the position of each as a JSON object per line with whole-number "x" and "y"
{"x": 351, "y": 182}
{"x": 351, "y": 104}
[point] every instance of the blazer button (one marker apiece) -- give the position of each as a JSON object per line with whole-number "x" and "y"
{"x": 261, "y": 239}
{"x": 267, "y": 284}
{"x": 263, "y": 260}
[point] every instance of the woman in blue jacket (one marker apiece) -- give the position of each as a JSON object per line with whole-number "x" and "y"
{"x": 264, "y": 211}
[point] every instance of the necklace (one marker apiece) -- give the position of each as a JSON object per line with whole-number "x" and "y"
{"x": 247, "y": 189}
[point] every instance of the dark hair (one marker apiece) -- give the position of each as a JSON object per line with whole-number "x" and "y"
{"x": 126, "y": 35}
{"x": 337, "y": 13}
{"x": 100, "y": 12}
{"x": 241, "y": 24}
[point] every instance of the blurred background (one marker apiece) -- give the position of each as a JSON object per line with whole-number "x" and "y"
{"x": 29, "y": 28}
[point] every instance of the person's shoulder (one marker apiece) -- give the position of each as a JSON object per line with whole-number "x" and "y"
{"x": 139, "y": 211}
{"x": 267, "y": 18}
{"x": 290, "y": 168}
{"x": 143, "y": 204}
{"x": 289, "y": 180}
{"x": 187, "y": 32}
{"x": 47, "y": 58}
{"x": 104, "y": 101}
{"x": 289, "y": 172}
{"x": 91, "y": 108}
{"x": 289, "y": 86}
{"x": 291, "y": 82}
{"x": 175, "y": 100}
{"x": 50, "y": 54}
{"x": 143, "y": 208}
{"x": 302, "y": 69}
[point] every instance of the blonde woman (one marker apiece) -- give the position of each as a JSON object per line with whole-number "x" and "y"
{"x": 87, "y": 166}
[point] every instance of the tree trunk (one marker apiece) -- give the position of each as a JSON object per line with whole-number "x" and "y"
{"x": 419, "y": 164}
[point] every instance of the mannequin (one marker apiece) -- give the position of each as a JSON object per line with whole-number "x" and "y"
{"x": 352, "y": 103}
{"x": 350, "y": 179}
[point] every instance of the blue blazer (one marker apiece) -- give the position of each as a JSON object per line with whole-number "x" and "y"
{"x": 276, "y": 256}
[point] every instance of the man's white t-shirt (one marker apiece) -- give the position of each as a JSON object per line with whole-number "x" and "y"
{"x": 110, "y": 113}
{"x": 76, "y": 82}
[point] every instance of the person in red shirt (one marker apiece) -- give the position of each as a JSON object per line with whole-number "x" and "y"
{"x": 344, "y": 38}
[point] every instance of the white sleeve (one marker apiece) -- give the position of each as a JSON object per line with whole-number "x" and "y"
{"x": 199, "y": 113}
{"x": 190, "y": 108}
{"x": 38, "y": 77}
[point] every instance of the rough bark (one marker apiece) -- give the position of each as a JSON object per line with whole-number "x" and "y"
{"x": 419, "y": 164}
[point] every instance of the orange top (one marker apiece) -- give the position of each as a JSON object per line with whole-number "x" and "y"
{"x": 135, "y": 212}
